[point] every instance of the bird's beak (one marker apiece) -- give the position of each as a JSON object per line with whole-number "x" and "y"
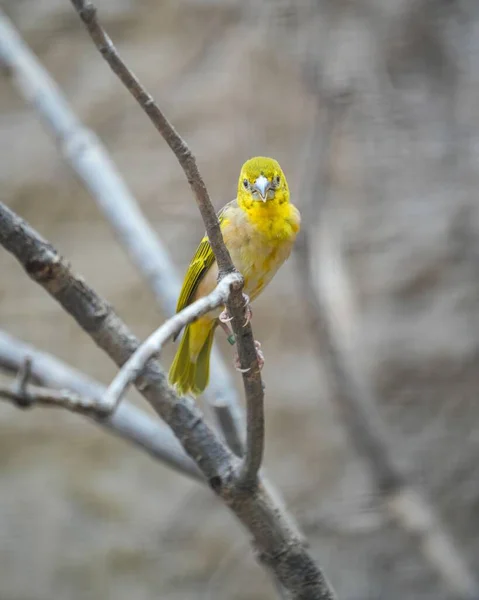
{"x": 262, "y": 185}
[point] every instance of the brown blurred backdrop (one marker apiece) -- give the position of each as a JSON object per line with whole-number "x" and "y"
{"x": 372, "y": 107}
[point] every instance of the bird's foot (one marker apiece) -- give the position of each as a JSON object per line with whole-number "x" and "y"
{"x": 225, "y": 317}
{"x": 259, "y": 358}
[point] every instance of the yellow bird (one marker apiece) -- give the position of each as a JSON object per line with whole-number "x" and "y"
{"x": 259, "y": 229}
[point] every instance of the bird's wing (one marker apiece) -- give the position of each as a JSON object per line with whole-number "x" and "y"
{"x": 199, "y": 265}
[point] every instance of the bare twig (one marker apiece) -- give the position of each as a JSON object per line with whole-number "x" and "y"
{"x": 153, "y": 345}
{"x": 254, "y": 392}
{"x": 25, "y": 396}
{"x": 244, "y": 336}
{"x": 49, "y": 398}
{"x": 20, "y": 385}
{"x": 417, "y": 516}
{"x": 88, "y": 157}
{"x": 88, "y": 14}
{"x": 350, "y": 390}
{"x": 277, "y": 540}
{"x": 405, "y": 502}
{"x": 128, "y": 422}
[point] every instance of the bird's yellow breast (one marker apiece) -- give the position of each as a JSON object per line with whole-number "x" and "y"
{"x": 260, "y": 238}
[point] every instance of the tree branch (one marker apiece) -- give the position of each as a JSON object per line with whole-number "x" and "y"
{"x": 88, "y": 157}
{"x": 153, "y": 345}
{"x": 252, "y": 381}
{"x": 86, "y": 154}
{"x": 350, "y": 389}
{"x": 88, "y": 14}
{"x": 25, "y": 396}
{"x": 275, "y": 536}
{"x": 128, "y": 422}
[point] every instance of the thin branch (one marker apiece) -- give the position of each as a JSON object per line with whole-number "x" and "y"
{"x": 254, "y": 393}
{"x": 88, "y": 14}
{"x": 351, "y": 391}
{"x": 89, "y": 158}
{"x": 128, "y": 422}
{"x": 417, "y": 516}
{"x": 405, "y": 502}
{"x": 153, "y": 345}
{"x": 252, "y": 381}
{"x": 23, "y": 377}
{"x": 26, "y": 396}
{"x": 279, "y": 544}
{"x": 49, "y": 398}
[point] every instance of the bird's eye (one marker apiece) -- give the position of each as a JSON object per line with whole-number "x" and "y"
{"x": 245, "y": 183}
{"x": 277, "y": 180}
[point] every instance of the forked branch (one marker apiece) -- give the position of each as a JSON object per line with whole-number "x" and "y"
{"x": 278, "y": 542}
{"x": 85, "y": 153}
{"x": 153, "y": 345}
{"x": 52, "y": 377}
{"x": 24, "y": 395}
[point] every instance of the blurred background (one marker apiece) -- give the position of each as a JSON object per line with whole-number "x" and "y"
{"x": 372, "y": 109}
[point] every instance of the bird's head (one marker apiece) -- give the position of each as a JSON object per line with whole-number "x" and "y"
{"x": 262, "y": 180}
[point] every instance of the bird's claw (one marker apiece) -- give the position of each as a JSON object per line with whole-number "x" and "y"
{"x": 225, "y": 316}
{"x": 259, "y": 354}
{"x": 259, "y": 358}
{"x": 249, "y": 315}
{"x": 248, "y": 311}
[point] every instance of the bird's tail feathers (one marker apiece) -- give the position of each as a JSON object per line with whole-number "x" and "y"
{"x": 191, "y": 375}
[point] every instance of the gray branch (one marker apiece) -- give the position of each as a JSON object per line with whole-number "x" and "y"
{"x": 278, "y": 542}
{"x": 25, "y": 396}
{"x": 351, "y": 391}
{"x": 88, "y": 14}
{"x": 88, "y": 157}
{"x": 128, "y": 422}
{"x": 153, "y": 345}
{"x": 252, "y": 380}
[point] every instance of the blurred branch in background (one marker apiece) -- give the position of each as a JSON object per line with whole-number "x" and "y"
{"x": 128, "y": 421}
{"x": 24, "y": 395}
{"x": 279, "y": 544}
{"x": 329, "y": 301}
{"x": 88, "y": 157}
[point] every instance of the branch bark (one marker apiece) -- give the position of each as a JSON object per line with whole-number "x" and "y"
{"x": 127, "y": 422}
{"x": 252, "y": 380}
{"x": 26, "y": 396}
{"x": 275, "y": 536}
{"x": 88, "y": 157}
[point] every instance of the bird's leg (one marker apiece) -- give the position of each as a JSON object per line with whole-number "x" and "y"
{"x": 224, "y": 321}
{"x": 249, "y": 311}
{"x": 227, "y": 329}
{"x": 225, "y": 316}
